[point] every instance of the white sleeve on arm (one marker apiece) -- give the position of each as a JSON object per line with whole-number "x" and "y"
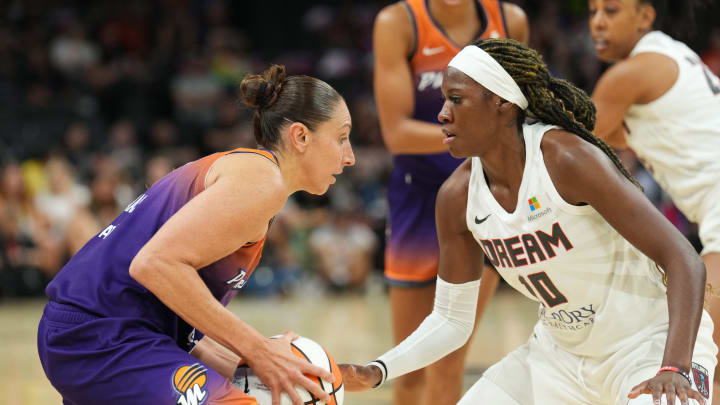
{"x": 446, "y": 329}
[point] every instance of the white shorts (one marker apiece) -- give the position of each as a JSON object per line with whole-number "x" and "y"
{"x": 541, "y": 373}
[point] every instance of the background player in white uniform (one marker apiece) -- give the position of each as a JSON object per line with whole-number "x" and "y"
{"x": 565, "y": 224}
{"x": 670, "y": 104}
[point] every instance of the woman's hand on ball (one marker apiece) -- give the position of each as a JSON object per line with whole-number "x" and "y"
{"x": 280, "y": 370}
{"x": 360, "y": 378}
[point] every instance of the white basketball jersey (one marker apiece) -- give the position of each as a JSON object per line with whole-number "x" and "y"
{"x": 677, "y": 136}
{"x": 593, "y": 285}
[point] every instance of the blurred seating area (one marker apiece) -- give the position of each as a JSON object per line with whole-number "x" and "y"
{"x": 101, "y": 98}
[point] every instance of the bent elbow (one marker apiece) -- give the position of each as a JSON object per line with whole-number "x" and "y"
{"x": 467, "y": 333}
{"x": 392, "y": 143}
{"x": 139, "y": 267}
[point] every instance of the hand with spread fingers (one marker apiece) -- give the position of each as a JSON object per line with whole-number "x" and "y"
{"x": 280, "y": 370}
{"x": 672, "y": 384}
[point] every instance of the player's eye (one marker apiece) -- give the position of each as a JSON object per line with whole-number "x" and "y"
{"x": 455, "y": 99}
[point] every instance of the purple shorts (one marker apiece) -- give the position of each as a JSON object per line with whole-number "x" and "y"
{"x": 412, "y": 252}
{"x": 106, "y": 361}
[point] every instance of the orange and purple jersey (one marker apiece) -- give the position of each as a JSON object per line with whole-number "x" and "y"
{"x": 97, "y": 281}
{"x": 432, "y": 52}
{"x": 412, "y": 249}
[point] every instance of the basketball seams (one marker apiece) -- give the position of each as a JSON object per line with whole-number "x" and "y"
{"x": 332, "y": 371}
{"x": 312, "y": 352}
{"x": 313, "y": 399}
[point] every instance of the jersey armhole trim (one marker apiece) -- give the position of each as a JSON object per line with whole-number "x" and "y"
{"x": 552, "y": 190}
{"x": 483, "y": 17}
{"x": 255, "y": 152}
{"x": 672, "y": 88}
{"x": 237, "y": 152}
{"x": 504, "y": 20}
{"x": 413, "y": 50}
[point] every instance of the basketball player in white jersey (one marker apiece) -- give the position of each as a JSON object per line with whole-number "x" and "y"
{"x": 660, "y": 100}
{"x": 620, "y": 289}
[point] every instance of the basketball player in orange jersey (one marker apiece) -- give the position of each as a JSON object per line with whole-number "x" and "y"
{"x": 130, "y": 314}
{"x": 413, "y": 42}
{"x": 660, "y": 100}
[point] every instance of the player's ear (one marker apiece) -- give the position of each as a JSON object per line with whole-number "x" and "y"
{"x": 646, "y": 14}
{"x": 502, "y": 105}
{"x": 299, "y": 136}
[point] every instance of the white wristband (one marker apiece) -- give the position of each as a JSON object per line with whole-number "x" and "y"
{"x": 383, "y": 369}
{"x": 446, "y": 329}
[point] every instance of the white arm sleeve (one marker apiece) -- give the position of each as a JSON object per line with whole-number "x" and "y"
{"x": 446, "y": 329}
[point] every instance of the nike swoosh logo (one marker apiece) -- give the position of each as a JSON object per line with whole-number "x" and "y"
{"x": 432, "y": 51}
{"x": 480, "y": 221}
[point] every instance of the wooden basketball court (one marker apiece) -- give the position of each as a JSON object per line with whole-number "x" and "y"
{"x": 352, "y": 328}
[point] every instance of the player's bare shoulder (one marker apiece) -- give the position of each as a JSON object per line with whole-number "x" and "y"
{"x": 574, "y": 165}
{"x": 517, "y": 22}
{"x": 566, "y": 153}
{"x": 237, "y": 168}
{"x": 640, "y": 78}
{"x": 394, "y": 24}
{"x": 453, "y": 194}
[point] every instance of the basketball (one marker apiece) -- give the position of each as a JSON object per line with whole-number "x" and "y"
{"x": 306, "y": 349}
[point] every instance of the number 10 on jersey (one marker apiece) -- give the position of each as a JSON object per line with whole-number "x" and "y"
{"x": 540, "y": 286}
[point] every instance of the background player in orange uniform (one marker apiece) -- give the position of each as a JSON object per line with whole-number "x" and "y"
{"x": 413, "y": 42}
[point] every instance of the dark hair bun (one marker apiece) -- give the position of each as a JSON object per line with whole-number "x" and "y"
{"x": 261, "y": 91}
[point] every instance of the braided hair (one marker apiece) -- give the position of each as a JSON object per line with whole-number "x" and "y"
{"x": 551, "y": 100}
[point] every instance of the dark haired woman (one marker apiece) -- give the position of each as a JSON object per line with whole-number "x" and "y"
{"x": 620, "y": 289}
{"x": 660, "y": 100}
{"x": 129, "y": 307}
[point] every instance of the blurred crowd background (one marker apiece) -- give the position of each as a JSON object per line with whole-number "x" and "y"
{"x": 102, "y": 98}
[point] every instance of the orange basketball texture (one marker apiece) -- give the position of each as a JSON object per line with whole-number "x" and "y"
{"x": 310, "y": 351}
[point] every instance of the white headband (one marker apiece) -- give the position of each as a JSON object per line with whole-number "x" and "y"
{"x": 484, "y": 69}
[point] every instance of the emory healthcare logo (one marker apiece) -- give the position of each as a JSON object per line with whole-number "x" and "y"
{"x": 189, "y": 381}
{"x": 534, "y": 204}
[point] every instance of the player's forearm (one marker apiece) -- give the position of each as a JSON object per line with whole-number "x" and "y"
{"x": 216, "y": 356}
{"x": 446, "y": 329}
{"x": 410, "y": 136}
{"x": 182, "y": 290}
{"x": 686, "y": 293}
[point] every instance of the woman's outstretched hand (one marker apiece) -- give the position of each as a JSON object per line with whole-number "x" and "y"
{"x": 360, "y": 378}
{"x": 670, "y": 384}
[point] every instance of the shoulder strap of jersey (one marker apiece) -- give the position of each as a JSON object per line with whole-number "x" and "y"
{"x": 492, "y": 18}
{"x": 262, "y": 152}
{"x": 419, "y": 18}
